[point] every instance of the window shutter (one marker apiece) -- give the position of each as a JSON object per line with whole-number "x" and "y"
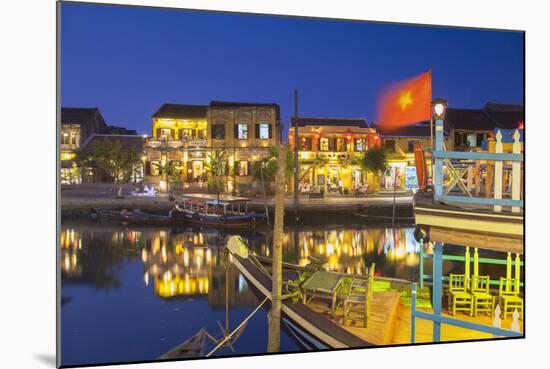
{"x": 148, "y": 168}
{"x": 249, "y": 168}
{"x": 158, "y": 132}
{"x": 270, "y": 129}
{"x": 236, "y": 131}
{"x": 257, "y": 131}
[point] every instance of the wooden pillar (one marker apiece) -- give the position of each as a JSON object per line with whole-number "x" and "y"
{"x": 516, "y": 172}
{"x": 437, "y": 283}
{"x": 498, "y": 172}
{"x": 477, "y": 178}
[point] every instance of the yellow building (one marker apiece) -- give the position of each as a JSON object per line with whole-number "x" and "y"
{"x": 399, "y": 145}
{"x": 77, "y": 125}
{"x": 328, "y": 152}
{"x": 187, "y": 134}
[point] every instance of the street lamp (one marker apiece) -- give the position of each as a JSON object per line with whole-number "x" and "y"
{"x": 439, "y": 107}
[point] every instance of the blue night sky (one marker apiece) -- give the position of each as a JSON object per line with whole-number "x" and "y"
{"x": 128, "y": 61}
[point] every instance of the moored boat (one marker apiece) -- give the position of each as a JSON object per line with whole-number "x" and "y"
{"x": 314, "y": 330}
{"x": 221, "y": 211}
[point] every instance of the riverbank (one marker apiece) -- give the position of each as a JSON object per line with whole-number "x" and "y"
{"x": 76, "y": 202}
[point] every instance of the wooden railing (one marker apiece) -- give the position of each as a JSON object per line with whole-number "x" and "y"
{"x": 457, "y": 165}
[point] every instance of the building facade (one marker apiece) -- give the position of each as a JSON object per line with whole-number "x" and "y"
{"x": 399, "y": 145}
{"x": 328, "y": 151}
{"x": 79, "y": 129}
{"x": 188, "y": 135}
{"x": 77, "y": 125}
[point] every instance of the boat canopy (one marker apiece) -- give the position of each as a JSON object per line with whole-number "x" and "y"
{"x": 213, "y": 199}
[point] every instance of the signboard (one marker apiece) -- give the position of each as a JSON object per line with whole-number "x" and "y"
{"x": 197, "y": 142}
{"x": 175, "y": 155}
{"x": 197, "y": 154}
{"x": 153, "y": 155}
{"x": 411, "y": 180}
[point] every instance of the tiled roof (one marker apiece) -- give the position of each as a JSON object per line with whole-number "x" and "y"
{"x": 77, "y": 115}
{"x": 417, "y": 130}
{"x": 492, "y": 116}
{"x": 181, "y": 111}
{"x": 127, "y": 141}
{"x": 342, "y": 122}
{"x": 469, "y": 119}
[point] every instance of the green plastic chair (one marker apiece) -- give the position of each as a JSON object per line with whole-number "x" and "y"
{"x": 483, "y": 302}
{"x": 508, "y": 297}
{"x": 459, "y": 299}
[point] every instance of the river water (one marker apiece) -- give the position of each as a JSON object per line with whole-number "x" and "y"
{"x": 132, "y": 293}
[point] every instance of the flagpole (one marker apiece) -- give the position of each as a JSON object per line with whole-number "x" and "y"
{"x": 431, "y": 130}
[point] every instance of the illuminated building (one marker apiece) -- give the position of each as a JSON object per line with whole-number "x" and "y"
{"x": 399, "y": 145}
{"x": 78, "y": 125}
{"x": 329, "y": 149}
{"x": 186, "y": 134}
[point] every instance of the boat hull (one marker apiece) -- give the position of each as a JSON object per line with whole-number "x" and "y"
{"x": 313, "y": 330}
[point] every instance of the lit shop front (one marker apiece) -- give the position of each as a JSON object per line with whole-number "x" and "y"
{"x": 402, "y": 174}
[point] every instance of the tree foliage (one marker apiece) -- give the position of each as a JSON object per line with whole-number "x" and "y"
{"x": 270, "y": 165}
{"x": 118, "y": 162}
{"x": 216, "y": 168}
{"x": 374, "y": 160}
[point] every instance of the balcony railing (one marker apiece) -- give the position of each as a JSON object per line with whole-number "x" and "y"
{"x": 65, "y": 146}
{"x": 466, "y": 171}
{"x": 173, "y": 143}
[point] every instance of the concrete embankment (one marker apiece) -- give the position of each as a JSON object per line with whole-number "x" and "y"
{"x": 76, "y": 202}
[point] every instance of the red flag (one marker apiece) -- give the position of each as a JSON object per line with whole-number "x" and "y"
{"x": 406, "y": 103}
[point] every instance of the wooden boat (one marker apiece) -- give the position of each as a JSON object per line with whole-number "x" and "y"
{"x": 221, "y": 211}
{"x": 312, "y": 329}
{"x": 134, "y": 216}
{"x": 192, "y": 347}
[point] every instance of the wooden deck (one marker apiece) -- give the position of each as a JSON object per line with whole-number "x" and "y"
{"x": 390, "y": 322}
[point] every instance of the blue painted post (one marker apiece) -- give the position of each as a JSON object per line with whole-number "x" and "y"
{"x": 421, "y": 264}
{"x": 437, "y": 287}
{"x": 413, "y": 310}
{"x": 438, "y": 175}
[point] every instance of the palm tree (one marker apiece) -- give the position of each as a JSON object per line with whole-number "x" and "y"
{"x": 216, "y": 168}
{"x": 169, "y": 172}
{"x": 374, "y": 160}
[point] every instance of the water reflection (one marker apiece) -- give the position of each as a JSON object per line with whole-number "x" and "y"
{"x": 350, "y": 250}
{"x": 159, "y": 286}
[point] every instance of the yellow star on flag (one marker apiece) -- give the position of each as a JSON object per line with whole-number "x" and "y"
{"x": 405, "y": 99}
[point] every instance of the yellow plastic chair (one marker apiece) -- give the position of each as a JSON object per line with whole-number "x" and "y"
{"x": 459, "y": 299}
{"x": 508, "y": 297}
{"x": 483, "y": 302}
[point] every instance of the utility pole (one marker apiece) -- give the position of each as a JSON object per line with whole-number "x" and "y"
{"x": 296, "y": 164}
{"x": 274, "y": 322}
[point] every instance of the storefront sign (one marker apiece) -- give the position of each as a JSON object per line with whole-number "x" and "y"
{"x": 197, "y": 154}
{"x": 175, "y": 155}
{"x": 197, "y": 142}
{"x": 153, "y": 155}
{"x": 411, "y": 180}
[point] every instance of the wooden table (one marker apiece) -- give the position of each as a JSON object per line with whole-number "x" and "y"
{"x": 322, "y": 284}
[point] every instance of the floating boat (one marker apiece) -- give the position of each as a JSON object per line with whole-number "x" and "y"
{"x": 192, "y": 347}
{"x": 134, "y": 216}
{"x": 312, "y": 329}
{"x": 221, "y": 211}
